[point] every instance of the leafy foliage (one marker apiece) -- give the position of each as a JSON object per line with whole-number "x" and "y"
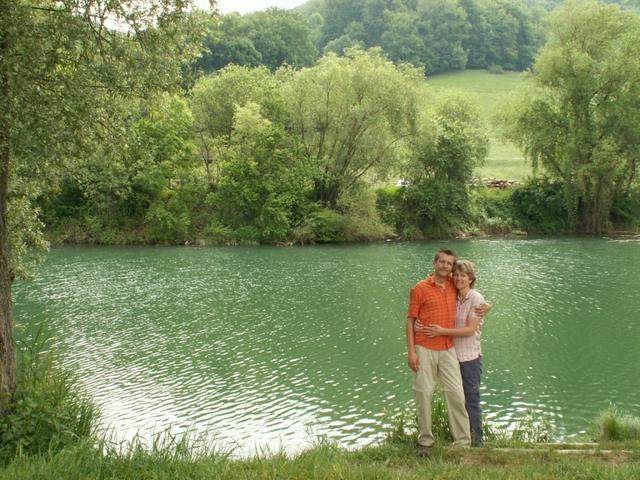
{"x": 491, "y": 210}
{"x": 436, "y": 34}
{"x": 580, "y": 122}
{"x": 64, "y": 67}
{"x": 271, "y": 38}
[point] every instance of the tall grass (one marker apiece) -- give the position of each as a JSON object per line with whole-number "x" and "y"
{"x": 616, "y": 425}
{"x": 402, "y": 427}
{"x": 48, "y": 411}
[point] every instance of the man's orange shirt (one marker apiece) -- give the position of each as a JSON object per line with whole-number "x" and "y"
{"x": 433, "y": 305}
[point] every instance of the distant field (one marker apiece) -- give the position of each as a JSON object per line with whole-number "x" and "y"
{"x": 489, "y": 90}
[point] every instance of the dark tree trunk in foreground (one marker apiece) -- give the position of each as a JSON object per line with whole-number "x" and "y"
{"x": 7, "y": 351}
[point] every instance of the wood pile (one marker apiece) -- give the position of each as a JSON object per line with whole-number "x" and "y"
{"x": 493, "y": 182}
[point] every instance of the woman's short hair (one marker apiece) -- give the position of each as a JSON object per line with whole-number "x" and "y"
{"x": 465, "y": 266}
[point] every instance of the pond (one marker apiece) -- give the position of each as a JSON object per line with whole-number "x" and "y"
{"x": 262, "y": 347}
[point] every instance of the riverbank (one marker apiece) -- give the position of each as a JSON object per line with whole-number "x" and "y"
{"x": 52, "y": 432}
{"x": 325, "y": 461}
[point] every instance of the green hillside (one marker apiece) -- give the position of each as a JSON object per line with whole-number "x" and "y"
{"x": 490, "y": 90}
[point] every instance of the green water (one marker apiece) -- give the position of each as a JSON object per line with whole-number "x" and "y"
{"x": 271, "y": 347}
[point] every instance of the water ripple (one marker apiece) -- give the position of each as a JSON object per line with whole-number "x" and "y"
{"x": 267, "y": 347}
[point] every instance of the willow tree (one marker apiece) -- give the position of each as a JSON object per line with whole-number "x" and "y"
{"x": 581, "y": 121}
{"x": 62, "y": 64}
{"x": 353, "y": 115}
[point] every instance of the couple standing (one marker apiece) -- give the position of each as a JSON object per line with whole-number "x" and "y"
{"x": 443, "y": 343}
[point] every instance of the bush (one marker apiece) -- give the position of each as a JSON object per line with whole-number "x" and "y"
{"x": 167, "y": 219}
{"x": 491, "y": 210}
{"x": 625, "y": 212}
{"x": 389, "y": 205}
{"x": 355, "y": 219}
{"x": 324, "y": 225}
{"x": 218, "y": 233}
{"x": 247, "y": 235}
{"x": 540, "y": 206}
{"x": 48, "y": 413}
{"x": 394, "y": 212}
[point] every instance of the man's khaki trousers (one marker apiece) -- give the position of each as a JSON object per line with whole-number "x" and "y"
{"x": 443, "y": 366}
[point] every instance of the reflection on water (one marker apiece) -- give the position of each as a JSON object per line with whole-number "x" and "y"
{"x": 273, "y": 347}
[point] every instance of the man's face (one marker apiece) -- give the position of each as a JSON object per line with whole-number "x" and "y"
{"x": 443, "y": 265}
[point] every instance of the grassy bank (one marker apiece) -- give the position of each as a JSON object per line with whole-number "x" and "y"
{"x": 387, "y": 461}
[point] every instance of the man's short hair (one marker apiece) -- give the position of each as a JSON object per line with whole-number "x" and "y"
{"x": 446, "y": 251}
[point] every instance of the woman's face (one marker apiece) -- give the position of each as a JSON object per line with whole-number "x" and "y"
{"x": 461, "y": 280}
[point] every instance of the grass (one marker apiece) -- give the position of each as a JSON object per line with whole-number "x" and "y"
{"x": 616, "y": 425}
{"x": 326, "y": 461}
{"x": 489, "y": 90}
{"x": 48, "y": 412}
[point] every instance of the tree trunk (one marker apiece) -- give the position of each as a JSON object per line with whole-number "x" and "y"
{"x": 7, "y": 350}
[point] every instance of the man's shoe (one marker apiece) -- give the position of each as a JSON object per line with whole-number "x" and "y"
{"x": 423, "y": 451}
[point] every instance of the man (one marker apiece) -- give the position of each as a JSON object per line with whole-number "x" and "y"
{"x": 433, "y": 302}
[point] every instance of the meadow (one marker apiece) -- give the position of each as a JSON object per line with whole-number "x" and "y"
{"x": 489, "y": 91}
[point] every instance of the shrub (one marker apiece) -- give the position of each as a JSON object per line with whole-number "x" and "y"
{"x": 324, "y": 225}
{"x": 218, "y": 233}
{"x": 247, "y": 235}
{"x": 167, "y": 219}
{"x": 491, "y": 210}
{"x": 625, "y": 212}
{"x": 354, "y": 219}
{"x": 389, "y": 205}
{"x": 540, "y": 206}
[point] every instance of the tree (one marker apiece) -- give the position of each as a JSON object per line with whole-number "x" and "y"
{"x": 444, "y": 27}
{"x": 270, "y": 38}
{"x": 451, "y": 143}
{"x": 228, "y": 42}
{"x": 401, "y": 39}
{"x": 215, "y": 100}
{"x": 581, "y": 122}
{"x": 337, "y": 15}
{"x": 282, "y": 37}
{"x": 352, "y": 115}
{"x": 263, "y": 189}
{"x": 373, "y": 20}
{"x": 61, "y": 64}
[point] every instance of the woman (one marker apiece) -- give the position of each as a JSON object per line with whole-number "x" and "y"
{"x": 466, "y": 339}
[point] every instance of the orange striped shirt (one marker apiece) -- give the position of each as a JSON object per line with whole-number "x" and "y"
{"x": 433, "y": 305}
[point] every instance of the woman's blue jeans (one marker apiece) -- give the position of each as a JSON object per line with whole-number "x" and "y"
{"x": 471, "y": 372}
